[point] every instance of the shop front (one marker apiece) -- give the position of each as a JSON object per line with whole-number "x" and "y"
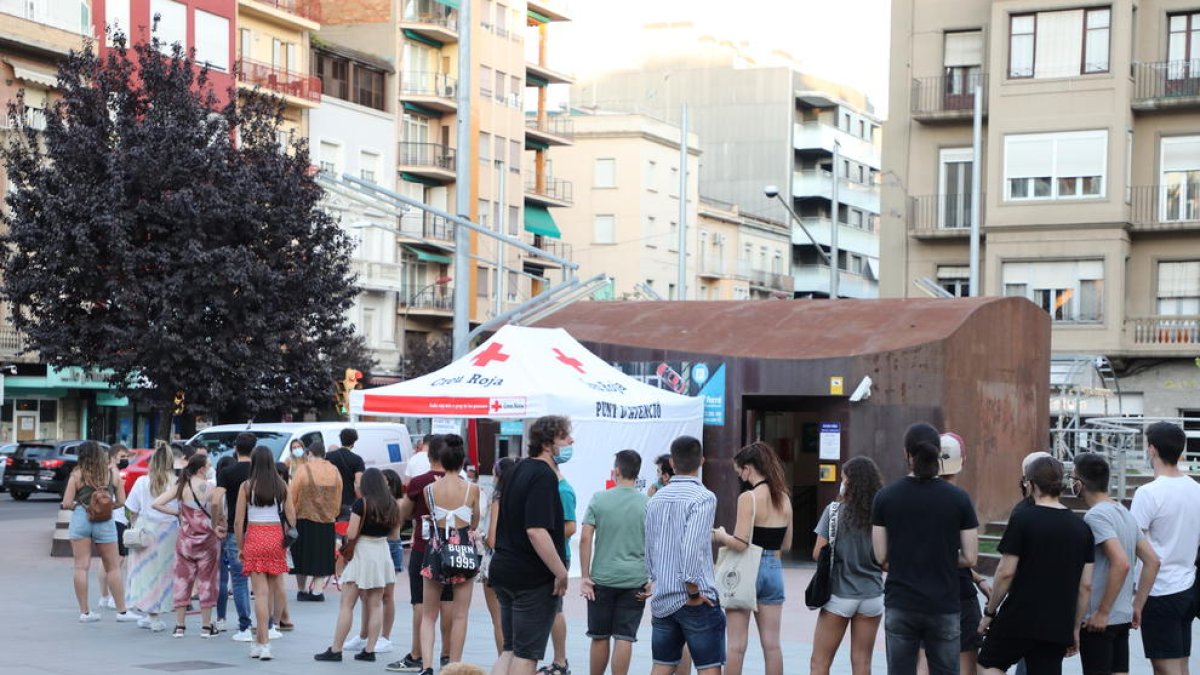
{"x": 46, "y": 403}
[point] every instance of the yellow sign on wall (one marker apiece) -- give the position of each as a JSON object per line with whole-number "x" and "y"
{"x": 828, "y": 473}
{"x": 837, "y": 385}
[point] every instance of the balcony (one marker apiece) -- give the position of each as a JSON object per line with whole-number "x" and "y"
{"x": 772, "y": 281}
{"x": 437, "y": 299}
{"x": 302, "y": 89}
{"x": 941, "y": 216}
{"x": 822, "y": 137}
{"x": 35, "y": 118}
{"x": 814, "y": 280}
{"x": 433, "y": 91}
{"x": 378, "y": 276}
{"x": 430, "y": 162}
{"x": 1165, "y": 208}
{"x": 421, "y": 226}
{"x": 549, "y": 191}
{"x": 12, "y": 342}
{"x": 1166, "y": 85}
{"x": 430, "y": 19}
{"x": 947, "y": 98}
{"x": 303, "y": 14}
{"x": 550, "y": 245}
{"x": 818, "y": 183}
{"x": 861, "y": 240}
{"x": 541, "y": 75}
{"x": 1163, "y": 335}
{"x": 550, "y": 130}
{"x": 720, "y": 268}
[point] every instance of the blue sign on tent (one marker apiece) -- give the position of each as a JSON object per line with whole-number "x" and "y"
{"x": 512, "y": 428}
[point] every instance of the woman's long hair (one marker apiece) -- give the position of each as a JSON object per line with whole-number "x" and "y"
{"x": 863, "y": 480}
{"x": 378, "y": 503}
{"x": 194, "y": 467}
{"x": 923, "y": 445}
{"x": 264, "y": 484}
{"x": 93, "y": 465}
{"x": 162, "y": 469}
{"x": 394, "y": 482}
{"x": 764, "y": 460}
{"x": 501, "y": 470}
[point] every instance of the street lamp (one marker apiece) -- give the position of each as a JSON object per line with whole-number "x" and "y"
{"x": 772, "y": 192}
{"x": 440, "y": 281}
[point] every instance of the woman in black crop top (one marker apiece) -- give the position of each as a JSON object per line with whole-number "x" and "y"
{"x": 764, "y": 518}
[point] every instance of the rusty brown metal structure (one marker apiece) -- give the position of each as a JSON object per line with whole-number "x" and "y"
{"x": 975, "y": 366}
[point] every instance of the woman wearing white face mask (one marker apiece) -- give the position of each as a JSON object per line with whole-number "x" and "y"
{"x": 316, "y": 490}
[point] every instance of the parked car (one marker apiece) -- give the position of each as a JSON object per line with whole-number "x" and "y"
{"x": 383, "y": 445}
{"x": 41, "y": 466}
{"x": 6, "y": 451}
{"x": 139, "y": 465}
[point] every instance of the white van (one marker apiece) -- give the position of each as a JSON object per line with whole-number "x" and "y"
{"x": 382, "y": 445}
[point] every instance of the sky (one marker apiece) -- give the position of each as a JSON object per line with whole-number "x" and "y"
{"x": 841, "y": 40}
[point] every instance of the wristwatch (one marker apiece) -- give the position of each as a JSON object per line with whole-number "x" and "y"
{"x": 694, "y": 594}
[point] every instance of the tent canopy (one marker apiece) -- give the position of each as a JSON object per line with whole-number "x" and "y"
{"x": 528, "y": 372}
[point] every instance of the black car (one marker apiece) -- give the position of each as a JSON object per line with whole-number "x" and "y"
{"x": 40, "y": 466}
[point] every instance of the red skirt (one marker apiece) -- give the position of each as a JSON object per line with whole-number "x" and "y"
{"x": 262, "y": 549}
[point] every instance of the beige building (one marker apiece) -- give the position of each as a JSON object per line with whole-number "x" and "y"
{"x": 273, "y": 54}
{"x": 1090, "y": 174}
{"x": 740, "y": 256}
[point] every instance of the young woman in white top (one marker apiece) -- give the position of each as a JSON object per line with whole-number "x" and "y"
{"x": 151, "y": 565}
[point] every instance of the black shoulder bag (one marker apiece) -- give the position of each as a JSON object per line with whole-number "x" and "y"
{"x": 820, "y": 587}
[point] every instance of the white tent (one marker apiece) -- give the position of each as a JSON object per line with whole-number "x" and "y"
{"x": 524, "y": 373}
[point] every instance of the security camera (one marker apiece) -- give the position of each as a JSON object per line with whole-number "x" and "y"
{"x": 771, "y": 191}
{"x": 863, "y": 390}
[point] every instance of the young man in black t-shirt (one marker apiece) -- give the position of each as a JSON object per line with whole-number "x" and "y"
{"x": 1044, "y": 581}
{"x": 230, "y": 480}
{"x": 350, "y": 465}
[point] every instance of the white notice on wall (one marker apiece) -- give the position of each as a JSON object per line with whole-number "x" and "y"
{"x": 446, "y": 426}
{"x": 831, "y": 442}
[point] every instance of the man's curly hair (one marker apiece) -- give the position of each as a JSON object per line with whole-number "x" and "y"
{"x": 545, "y": 430}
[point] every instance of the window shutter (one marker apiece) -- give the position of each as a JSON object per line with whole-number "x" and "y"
{"x": 1028, "y": 156}
{"x": 1059, "y": 43}
{"x": 1181, "y": 154}
{"x": 1081, "y": 154}
{"x": 212, "y": 40}
{"x": 964, "y": 48}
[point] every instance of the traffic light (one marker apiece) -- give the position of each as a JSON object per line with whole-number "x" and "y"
{"x": 351, "y": 380}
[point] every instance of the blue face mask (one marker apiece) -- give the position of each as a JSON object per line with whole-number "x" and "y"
{"x": 564, "y": 454}
{"x": 297, "y": 452}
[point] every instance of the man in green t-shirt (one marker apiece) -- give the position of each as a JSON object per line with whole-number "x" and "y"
{"x": 615, "y": 582}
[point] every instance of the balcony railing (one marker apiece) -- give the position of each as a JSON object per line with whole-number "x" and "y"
{"x": 1165, "y": 330}
{"x": 280, "y": 80}
{"x": 775, "y": 281}
{"x": 947, "y": 96}
{"x": 431, "y": 13}
{"x": 423, "y": 225}
{"x": 949, "y": 213}
{"x": 378, "y": 275}
{"x": 427, "y": 297}
{"x": 11, "y": 341}
{"x": 1166, "y": 84}
{"x": 308, "y": 9}
{"x": 556, "y": 247}
{"x": 1165, "y": 207}
{"x": 555, "y": 125}
{"x": 428, "y": 84}
{"x": 433, "y": 155}
{"x": 551, "y": 188}
{"x": 35, "y": 118}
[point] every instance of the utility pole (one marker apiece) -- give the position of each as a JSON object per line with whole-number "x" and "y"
{"x": 976, "y": 179}
{"x": 501, "y": 219}
{"x": 462, "y": 184}
{"x": 834, "y": 272}
{"x": 681, "y": 282}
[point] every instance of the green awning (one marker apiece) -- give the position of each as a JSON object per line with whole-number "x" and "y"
{"x": 413, "y": 35}
{"x": 421, "y": 110}
{"x": 538, "y": 221}
{"x": 540, "y": 18}
{"x": 449, "y": 3}
{"x": 421, "y": 180}
{"x": 531, "y": 144}
{"x": 535, "y": 81}
{"x": 426, "y": 256}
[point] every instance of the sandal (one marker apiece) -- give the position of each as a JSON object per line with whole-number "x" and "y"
{"x": 208, "y": 632}
{"x": 179, "y": 631}
{"x": 285, "y": 627}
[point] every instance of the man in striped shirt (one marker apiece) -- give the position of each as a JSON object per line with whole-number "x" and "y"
{"x": 679, "y": 521}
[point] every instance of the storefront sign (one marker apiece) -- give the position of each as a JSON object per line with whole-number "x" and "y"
{"x": 77, "y": 378}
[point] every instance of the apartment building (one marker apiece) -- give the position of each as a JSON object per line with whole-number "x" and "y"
{"x": 273, "y": 53}
{"x": 1089, "y": 173}
{"x": 741, "y": 256}
{"x": 514, "y": 185}
{"x": 763, "y": 125}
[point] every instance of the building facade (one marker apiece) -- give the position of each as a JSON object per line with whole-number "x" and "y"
{"x": 741, "y": 256}
{"x": 273, "y": 53}
{"x": 1091, "y": 153}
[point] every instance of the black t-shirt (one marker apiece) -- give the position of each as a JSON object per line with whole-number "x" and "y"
{"x": 348, "y": 463}
{"x": 369, "y": 527}
{"x": 231, "y": 479}
{"x": 924, "y": 519}
{"x": 1053, "y": 546}
{"x": 530, "y": 500}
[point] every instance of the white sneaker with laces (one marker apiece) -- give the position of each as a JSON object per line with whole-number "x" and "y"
{"x": 256, "y": 650}
{"x": 383, "y": 645}
{"x": 264, "y": 653}
{"x": 355, "y": 644}
{"x": 244, "y": 636}
{"x": 89, "y": 617}
{"x": 126, "y": 616}
{"x": 220, "y": 625}
{"x": 157, "y": 626}
{"x": 107, "y": 602}
{"x": 273, "y": 633}
{"x": 143, "y": 622}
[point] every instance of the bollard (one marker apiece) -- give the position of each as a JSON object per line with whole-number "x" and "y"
{"x": 61, "y": 544}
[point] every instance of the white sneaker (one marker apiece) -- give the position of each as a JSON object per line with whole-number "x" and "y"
{"x": 126, "y": 616}
{"x": 256, "y": 650}
{"x": 244, "y": 636}
{"x": 355, "y": 644}
{"x": 107, "y": 602}
{"x": 274, "y": 634}
{"x": 89, "y": 617}
{"x": 143, "y": 622}
{"x": 264, "y": 653}
{"x": 383, "y": 645}
{"x": 219, "y": 624}
{"x": 157, "y": 626}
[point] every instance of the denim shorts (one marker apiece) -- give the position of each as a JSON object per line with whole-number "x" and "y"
{"x": 700, "y": 627}
{"x": 397, "y": 550}
{"x": 770, "y": 580}
{"x": 615, "y": 613}
{"x": 99, "y": 533}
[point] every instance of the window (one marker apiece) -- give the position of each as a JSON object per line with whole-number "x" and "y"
{"x": 846, "y": 122}
{"x": 497, "y": 215}
{"x": 245, "y": 43}
{"x": 485, "y": 81}
{"x": 1059, "y": 44}
{"x": 777, "y": 262}
{"x": 955, "y": 279}
{"x": 673, "y": 188}
{"x": 368, "y": 165}
{"x": 1179, "y": 199}
{"x": 954, "y": 203}
{"x": 673, "y": 236}
{"x": 648, "y": 235}
{"x": 513, "y": 286}
{"x": 605, "y": 173}
{"x": 501, "y": 20}
{"x": 1071, "y": 291}
{"x": 368, "y": 325}
{"x": 416, "y": 129}
{"x": 501, "y": 78}
{"x": 485, "y": 146}
{"x": 651, "y": 175}
{"x": 500, "y": 146}
{"x": 514, "y": 155}
{"x": 962, "y": 58}
{"x": 172, "y": 24}
{"x": 330, "y": 158}
{"x": 116, "y": 18}
{"x": 485, "y": 213}
{"x": 514, "y": 91}
{"x": 862, "y": 129}
{"x": 368, "y": 87}
{"x": 604, "y": 229}
{"x": 481, "y": 281}
{"x": 212, "y": 40}
{"x": 1063, "y": 165}
{"x": 1183, "y": 46}
{"x": 1179, "y": 288}
{"x": 514, "y": 220}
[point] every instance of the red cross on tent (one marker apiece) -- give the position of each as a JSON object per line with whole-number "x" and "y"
{"x": 574, "y": 363}
{"x": 492, "y": 353}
